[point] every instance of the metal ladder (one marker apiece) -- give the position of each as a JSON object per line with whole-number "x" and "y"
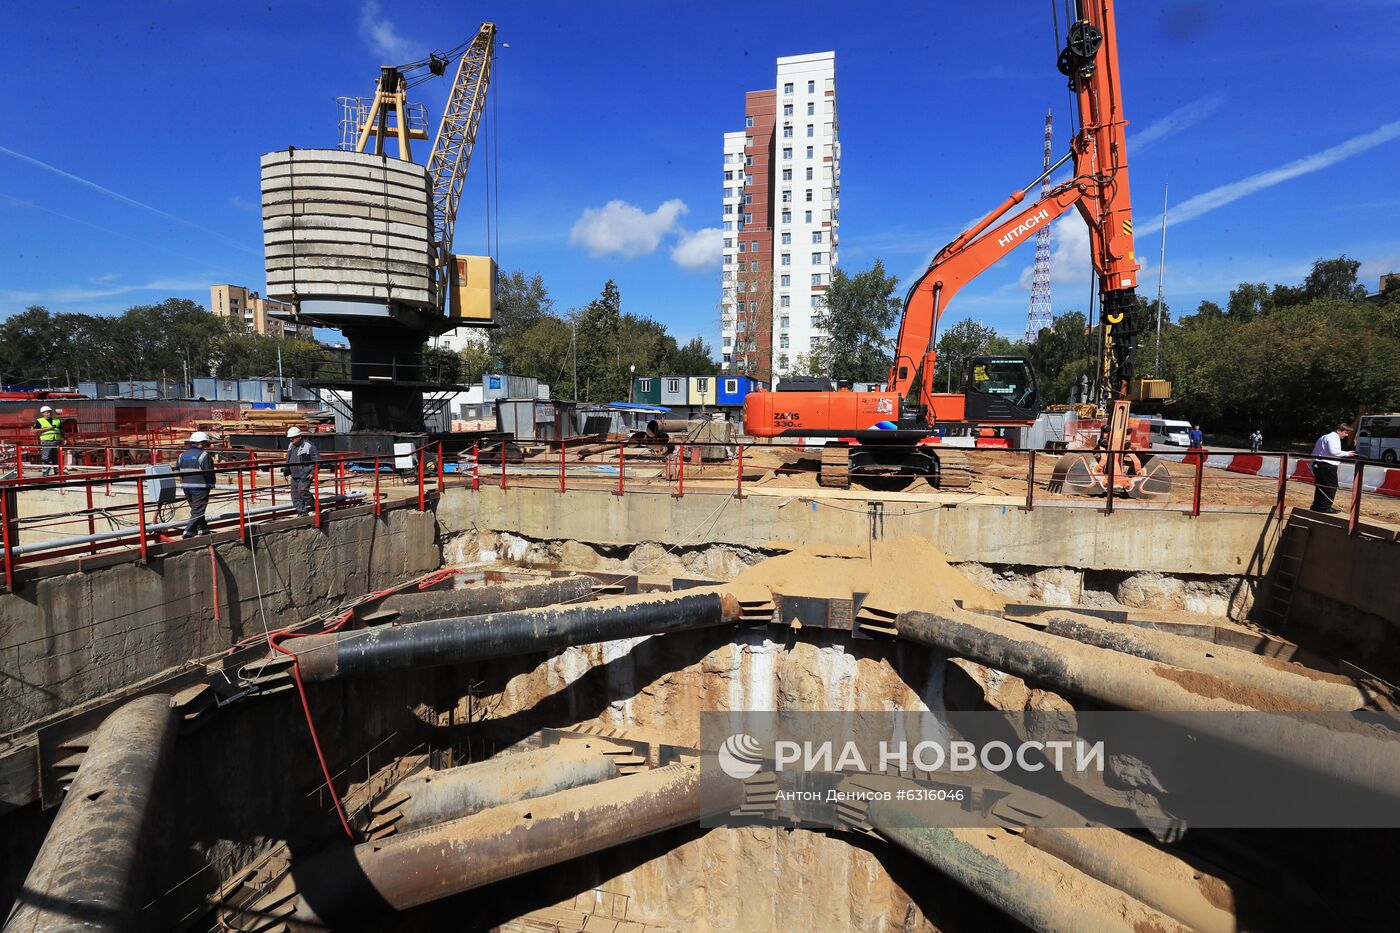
{"x": 1288, "y": 565}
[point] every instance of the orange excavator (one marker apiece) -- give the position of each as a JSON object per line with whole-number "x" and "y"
{"x": 892, "y": 432}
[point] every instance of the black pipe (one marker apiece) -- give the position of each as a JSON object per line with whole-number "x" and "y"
{"x": 440, "y": 642}
{"x": 485, "y": 598}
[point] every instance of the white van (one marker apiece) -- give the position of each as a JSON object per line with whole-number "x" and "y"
{"x": 1170, "y": 433}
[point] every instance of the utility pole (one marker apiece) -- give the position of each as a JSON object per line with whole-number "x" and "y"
{"x": 1161, "y": 270}
{"x": 573, "y": 343}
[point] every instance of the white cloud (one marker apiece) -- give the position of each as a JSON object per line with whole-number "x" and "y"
{"x": 1204, "y": 203}
{"x": 1069, "y": 254}
{"x": 624, "y": 229}
{"x": 1176, "y": 121}
{"x": 383, "y": 37}
{"x": 700, "y": 249}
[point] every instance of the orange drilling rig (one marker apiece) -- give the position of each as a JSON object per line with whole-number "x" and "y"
{"x": 892, "y": 432}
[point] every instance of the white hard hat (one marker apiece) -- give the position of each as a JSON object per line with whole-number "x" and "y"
{"x": 45, "y": 408}
{"x": 199, "y": 437}
{"x": 294, "y": 432}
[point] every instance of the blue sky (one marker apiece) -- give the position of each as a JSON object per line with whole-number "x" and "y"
{"x": 129, "y": 154}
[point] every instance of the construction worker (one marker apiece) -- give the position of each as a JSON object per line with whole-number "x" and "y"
{"x": 50, "y": 428}
{"x": 196, "y": 468}
{"x": 1256, "y": 441}
{"x": 1197, "y": 437}
{"x": 301, "y": 464}
{"x": 1325, "y": 471}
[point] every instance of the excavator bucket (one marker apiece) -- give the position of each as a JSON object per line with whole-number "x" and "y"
{"x": 1075, "y": 475}
{"x": 1154, "y": 482}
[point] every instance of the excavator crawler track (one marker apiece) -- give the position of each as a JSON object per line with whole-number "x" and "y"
{"x": 836, "y": 467}
{"x": 954, "y": 469}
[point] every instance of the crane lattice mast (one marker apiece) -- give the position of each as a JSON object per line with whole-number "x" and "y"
{"x": 1040, "y": 315}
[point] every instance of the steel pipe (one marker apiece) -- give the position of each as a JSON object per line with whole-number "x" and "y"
{"x": 86, "y": 874}
{"x": 1158, "y": 879}
{"x": 1368, "y": 758}
{"x": 1032, "y": 886}
{"x": 452, "y": 641}
{"x": 1309, "y": 689}
{"x": 486, "y": 598}
{"x": 338, "y": 887}
{"x": 457, "y": 792}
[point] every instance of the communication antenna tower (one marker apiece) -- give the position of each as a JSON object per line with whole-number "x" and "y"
{"x": 1040, "y": 315}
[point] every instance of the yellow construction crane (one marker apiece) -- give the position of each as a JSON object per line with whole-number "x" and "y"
{"x": 465, "y": 284}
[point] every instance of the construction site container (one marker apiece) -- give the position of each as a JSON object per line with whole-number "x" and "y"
{"x": 702, "y": 390}
{"x": 473, "y": 289}
{"x": 646, "y": 390}
{"x": 675, "y": 390}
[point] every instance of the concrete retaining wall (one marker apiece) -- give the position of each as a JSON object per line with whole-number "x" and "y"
{"x": 70, "y": 638}
{"x": 1136, "y": 540}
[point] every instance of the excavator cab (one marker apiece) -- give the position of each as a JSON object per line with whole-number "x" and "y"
{"x": 1000, "y": 388}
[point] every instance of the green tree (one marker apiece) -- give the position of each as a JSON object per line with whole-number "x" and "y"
{"x": 1249, "y": 300}
{"x": 965, "y": 339}
{"x": 1060, "y": 356}
{"x": 601, "y": 375}
{"x": 856, "y": 315}
{"x": 1335, "y": 279}
{"x": 694, "y": 359}
{"x": 521, "y": 303}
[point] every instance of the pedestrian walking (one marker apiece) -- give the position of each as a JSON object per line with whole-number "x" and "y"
{"x": 196, "y": 468}
{"x": 301, "y": 465}
{"x": 1325, "y": 471}
{"x": 1256, "y": 441}
{"x": 50, "y": 428}
{"x": 1197, "y": 438}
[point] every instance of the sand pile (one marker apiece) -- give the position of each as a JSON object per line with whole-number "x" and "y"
{"x": 907, "y": 573}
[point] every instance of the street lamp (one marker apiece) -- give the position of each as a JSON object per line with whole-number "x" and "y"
{"x": 631, "y": 382}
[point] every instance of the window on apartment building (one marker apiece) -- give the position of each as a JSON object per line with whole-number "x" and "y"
{"x": 784, "y": 321}
{"x": 748, "y": 199}
{"x": 728, "y": 260}
{"x": 748, "y": 218}
{"x": 811, "y": 131}
{"x": 787, "y": 197}
{"x": 728, "y": 242}
{"x": 748, "y": 121}
{"x": 783, "y": 342}
{"x": 787, "y": 153}
{"x": 787, "y": 110}
{"x": 741, "y": 225}
{"x": 753, "y": 266}
{"x": 787, "y": 217}
{"x": 729, "y": 208}
{"x": 818, "y": 302}
{"x": 726, "y": 359}
{"x": 787, "y": 174}
{"x": 729, "y": 192}
{"x": 809, "y": 152}
{"x": 784, "y": 301}
{"x": 728, "y": 224}
{"x": 727, "y": 276}
{"x": 787, "y": 238}
{"x": 817, "y": 259}
{"x": 809, "y": 173}
{"x": 811, "y": 87}
{"x": 729, "y": 176}
{"x": 809, "y": 194}
{"x": 742, "y": 325}
{"x": 748, "y": 179}
{"x": 808, "y": 218}
{"x": 787, "y": 259}
{"x": 816, "y": 236}
{"x": 748, "y": 142}
{"x": 739, "y": 306}
{"x": 816, "y": 278}
{"x": 785, "y": 281}
{"x": 782, "y": 361}
{"x": 787, "y": 132}
{"x": 753, "y": 286}
{"x": 787, "y": 88}
{"x": 811, "y": 108}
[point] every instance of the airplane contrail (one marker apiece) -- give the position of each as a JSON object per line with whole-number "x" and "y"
{"x": 1179, "y": 119}
{"x": 123, "y": 198}
{"x": 1208, "y": 201}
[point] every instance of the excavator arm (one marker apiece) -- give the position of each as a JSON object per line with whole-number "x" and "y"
{"x": 1098, "y": 189}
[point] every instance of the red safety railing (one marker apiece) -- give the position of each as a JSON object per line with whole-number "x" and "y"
{"x": 690, "y": 468}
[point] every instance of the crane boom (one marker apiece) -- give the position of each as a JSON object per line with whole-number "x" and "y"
{"x": 452, "y": 148}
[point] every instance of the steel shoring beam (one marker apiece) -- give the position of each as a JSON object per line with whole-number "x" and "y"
{"x": 440, "y": 642}
{"x": 416, "y": 868}
{"x": 1032, "y": 886}
{"x": 485, "y": 598}
{"x": 426, "y": 799}
{"x": 85, "y": 875}
{"x": 1361, "y": 758}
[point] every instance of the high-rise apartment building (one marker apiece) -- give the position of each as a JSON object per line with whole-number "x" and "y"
{"x": 236, "y": 302}
{"x": 782, "y": 183}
